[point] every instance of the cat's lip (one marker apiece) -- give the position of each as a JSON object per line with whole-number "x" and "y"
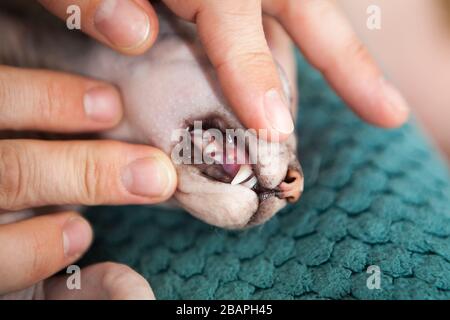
{"x": 290, "y": 190}
{"x": 226, "y": 205}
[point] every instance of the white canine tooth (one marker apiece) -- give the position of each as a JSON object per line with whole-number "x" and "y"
{"x": 250, "y": 183}
{"x": 244, "y": 172}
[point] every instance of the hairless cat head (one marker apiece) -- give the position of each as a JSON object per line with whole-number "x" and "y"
{"x": 171, "y": 88}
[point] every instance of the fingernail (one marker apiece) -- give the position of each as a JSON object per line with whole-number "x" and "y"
{"x": 148, "y": 177}
{"x": 123, "y": 23}
{"x": 77, "y": 235}
{"x": 396, "y": 101}
{"x": 102, "y": 104}
{"x": 277, "y": 112}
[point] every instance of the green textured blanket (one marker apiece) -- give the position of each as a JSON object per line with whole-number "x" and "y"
{"x": 372, "y": 198}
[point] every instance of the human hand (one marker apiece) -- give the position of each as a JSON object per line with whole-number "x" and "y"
{"x": 232, "y": 34}
{"x": 36, "y": 173}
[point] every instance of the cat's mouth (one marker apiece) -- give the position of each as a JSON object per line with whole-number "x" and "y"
{"x": 229, "y": 180}
{"x": 228, "y": 158}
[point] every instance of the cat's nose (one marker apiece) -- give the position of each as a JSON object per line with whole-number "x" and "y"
{"x": 292, "y": 187}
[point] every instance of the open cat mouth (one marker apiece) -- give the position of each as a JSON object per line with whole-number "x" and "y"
{"x": 227, "y": 158}
{"x": 231, "y": 184}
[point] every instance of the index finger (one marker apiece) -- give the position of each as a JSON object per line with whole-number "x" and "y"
{"x": 56, "y": 102}
{"x": 233, "y": 36}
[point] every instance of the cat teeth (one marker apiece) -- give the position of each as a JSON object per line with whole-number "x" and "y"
{"x": 250, "y": 183}
{"x": 244, "y": 172}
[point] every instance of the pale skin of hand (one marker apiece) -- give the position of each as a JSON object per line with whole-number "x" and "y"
{"x": 37, "y": 173}
{"x": 232, "y": 34}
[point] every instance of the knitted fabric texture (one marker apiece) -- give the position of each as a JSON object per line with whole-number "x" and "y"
{"x": 372, "y": 197}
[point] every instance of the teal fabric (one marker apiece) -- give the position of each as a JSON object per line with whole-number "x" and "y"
{"x": 372, "y": 197}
